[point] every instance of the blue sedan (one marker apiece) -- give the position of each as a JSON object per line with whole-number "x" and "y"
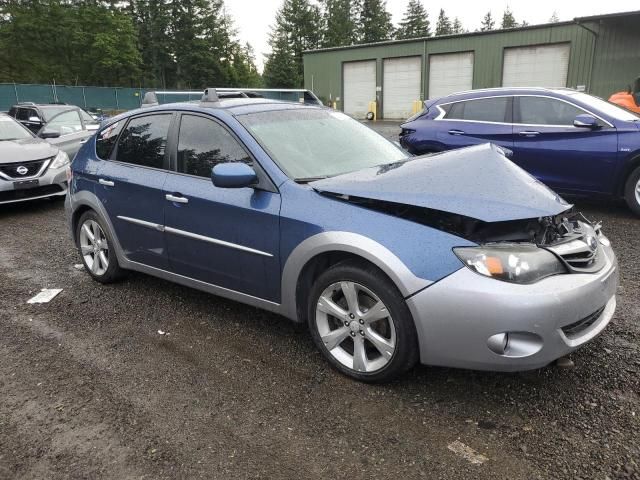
{"x": 459, "y": 259}
{"x": 575, "y": 143}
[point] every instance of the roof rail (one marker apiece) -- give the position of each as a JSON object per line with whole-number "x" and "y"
{"x": 26, "y": 103}
{"x": 150, "y": 99}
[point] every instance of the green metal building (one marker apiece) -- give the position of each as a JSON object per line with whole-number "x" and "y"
{"x": 598, "y": 54}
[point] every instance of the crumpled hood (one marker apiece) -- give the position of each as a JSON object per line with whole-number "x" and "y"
{"x": 12, "y": 151}
{"x": 477, "y": 182}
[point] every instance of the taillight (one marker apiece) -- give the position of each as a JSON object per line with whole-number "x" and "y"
{"x": 406, "y": 131}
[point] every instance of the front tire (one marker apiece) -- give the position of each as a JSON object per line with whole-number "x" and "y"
{"x": 96, "y": 248}
{"x": 632, "y": 191}
{"x": 360, "y": 322}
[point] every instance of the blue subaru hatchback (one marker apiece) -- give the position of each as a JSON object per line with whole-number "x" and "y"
{"x": 459, "y": 259}
{"x": 573, "y": 142}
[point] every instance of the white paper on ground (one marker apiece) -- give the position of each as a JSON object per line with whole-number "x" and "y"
{"x": 45, "y": 296}
{"x": 467, "y": 452}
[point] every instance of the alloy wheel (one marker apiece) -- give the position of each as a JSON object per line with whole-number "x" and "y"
{"x": 355, "y": 327}
{"x": 94, "y": 247}
{"x": 637, "y": 191}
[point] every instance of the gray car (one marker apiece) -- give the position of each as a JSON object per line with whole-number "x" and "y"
{"x": 65, "y": 126}
{"x": 30, "y": 168}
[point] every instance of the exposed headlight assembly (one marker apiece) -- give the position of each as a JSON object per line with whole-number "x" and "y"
{"x": 523, "y": 264}
{"x": 61, "y": 160}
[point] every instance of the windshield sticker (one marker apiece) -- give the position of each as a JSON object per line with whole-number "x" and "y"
{"x": 108, "y": 132}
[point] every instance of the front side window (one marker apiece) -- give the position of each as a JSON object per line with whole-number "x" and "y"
{"x": 23, "y": 114}
{"x": 203, "y": 143}
{"x": 546, "y": 111}
{"x": 65, "y": 123}
{"x": 480, "y": 110}
{"x": 143, "y": 142}
{"x": 107, "y": 139}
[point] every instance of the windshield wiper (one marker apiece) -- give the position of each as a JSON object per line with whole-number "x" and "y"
{"x": 309, "y": 179}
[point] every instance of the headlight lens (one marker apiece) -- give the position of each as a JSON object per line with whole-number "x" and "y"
{"x": 511, "y": 263}
{"x": 61, "y": 160}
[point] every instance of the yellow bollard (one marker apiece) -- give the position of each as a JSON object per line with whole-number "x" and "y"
{"x": 417, "y": 107}
{"x": 372, "y": 113}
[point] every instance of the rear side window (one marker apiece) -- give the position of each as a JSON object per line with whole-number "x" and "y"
{"x": 203, "y": 143}
{"x": 107, "y": 140}
{"x": 143, "y": 142}
{"x": 546, "y": 111}
{"x": 481, "y": 110}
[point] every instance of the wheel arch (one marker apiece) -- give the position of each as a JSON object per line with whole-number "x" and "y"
{"x": 320, "y": 251}
{"x": 630, "y": 166}
{"x": 84, "y": 201}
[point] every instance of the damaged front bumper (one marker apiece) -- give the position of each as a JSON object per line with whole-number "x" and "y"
{"x": 475, "y": 322}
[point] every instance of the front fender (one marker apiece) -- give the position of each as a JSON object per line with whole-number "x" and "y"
{"x": 336, "y": 241}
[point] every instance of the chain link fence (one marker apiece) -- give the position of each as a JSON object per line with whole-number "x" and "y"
{"x": 105, "y": 98}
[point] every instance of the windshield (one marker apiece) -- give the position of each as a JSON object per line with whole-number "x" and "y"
{"x": 49, "y": 112}
{"x": 607, "y": 108}
{"x": 313, "y": 143}
{"x": 12, "y": 130}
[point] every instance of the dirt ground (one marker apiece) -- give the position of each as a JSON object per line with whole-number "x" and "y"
{"x": 90, "y": 389}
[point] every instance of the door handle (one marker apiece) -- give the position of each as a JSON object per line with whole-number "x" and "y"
{"x": 456, "y": 132}
{"x": 106, "y": 183}
{"x": 529, "y": 133}
{"x": 176, "y": 198}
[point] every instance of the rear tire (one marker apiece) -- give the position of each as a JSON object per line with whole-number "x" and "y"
{"x": 96, "y": 248}
{"x": 632, "y": 191}
{"x": 361, "y": 323}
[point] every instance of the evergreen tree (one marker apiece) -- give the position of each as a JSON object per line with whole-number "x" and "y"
{"x": 415, "y": 22}
{"x": 280, "y": 69}
{"x": 554, "y": 18}
{"x": 457, "y": 26}
{"x": 508, "y": 20}
{"x": 80, "y": 42}
{"x": 375, "y": 22}
{"x": 297, "y": 28}
{"x": 340, "y": 23}
{"x": 443, "y": 25}
{"x": 487, "y": 23}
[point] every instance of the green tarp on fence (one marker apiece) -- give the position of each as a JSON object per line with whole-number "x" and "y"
{"x": 106, "y": 98}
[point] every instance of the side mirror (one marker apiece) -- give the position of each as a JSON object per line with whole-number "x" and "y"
{"x": 34, "y": 120}
{"x": 586, "y": 121}
{"x": 233, "y": 175}
{"x": 46, "y": 133}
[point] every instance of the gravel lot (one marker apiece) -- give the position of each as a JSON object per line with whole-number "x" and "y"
{"x": 89, "y": 389}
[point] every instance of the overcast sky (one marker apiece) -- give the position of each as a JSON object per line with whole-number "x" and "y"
{"x": 253, "y": 18}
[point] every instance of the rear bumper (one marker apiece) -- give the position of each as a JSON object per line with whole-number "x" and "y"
{"x": 457, "y": 316}
{"x": 53, "y": 183}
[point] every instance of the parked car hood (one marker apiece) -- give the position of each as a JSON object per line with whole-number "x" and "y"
{"x": 477, "y": 182}
{"x": 25, "y": 150}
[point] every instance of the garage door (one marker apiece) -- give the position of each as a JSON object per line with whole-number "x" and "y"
{"x": 450, "y": 73}
{"x": 540, "y": 66}
{"x": 400, "y": 86}
{"x": 359, "y": 80}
